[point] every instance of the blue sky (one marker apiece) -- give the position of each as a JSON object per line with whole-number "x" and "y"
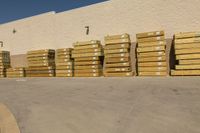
{"x": 16, "y": 9}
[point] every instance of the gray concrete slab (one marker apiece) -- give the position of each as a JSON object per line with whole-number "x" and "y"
{"x": 104, "y": 105}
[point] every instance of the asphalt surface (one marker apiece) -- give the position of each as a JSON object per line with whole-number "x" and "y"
{"x": 104, "y": 105}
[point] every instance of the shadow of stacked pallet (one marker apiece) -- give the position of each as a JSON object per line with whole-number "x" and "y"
{"x": 187, "y": 54}
{"x": 88, "y": 60}
{"x": 117, "y": 60}
{"x": 15, "y": 72}
{"x": 41, "y": 63}
{"x": 151, "y": 54}
{"x": 4, "y": 62}
{"x": 64, "y": 63}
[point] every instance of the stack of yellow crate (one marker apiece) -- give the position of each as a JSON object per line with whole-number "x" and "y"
{"x": 117, "y": 56}
{"x": 88, "y": 59}
{"x": 4, "y": 62}
{"x": 15, "y": 72}
{"x": 41, "y": 63}
{"x": 64, "y": 63}
{"x": 151, "y": 54}
{"x": 187, "y": 54}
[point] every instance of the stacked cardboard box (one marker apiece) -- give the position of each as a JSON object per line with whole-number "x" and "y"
{"x": 151, "y": 54}
{"x": 88, "y": 59}
{"x": 64, "y": 63}
{"x": 15, "y": 72}
{"x": 187, "y": 53}
{"x": 41, "y": 63}
{"x": 4, "y": 62}
{"x": 117, "y": 60}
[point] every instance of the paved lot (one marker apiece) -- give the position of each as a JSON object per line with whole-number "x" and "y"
{"x": 104, "y": 105}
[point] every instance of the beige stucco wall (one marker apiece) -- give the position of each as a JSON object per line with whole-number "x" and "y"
{"x": 57, "y": 30}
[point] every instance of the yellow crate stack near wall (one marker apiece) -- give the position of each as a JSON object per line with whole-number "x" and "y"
{"x": 117, "y": 56}
{"x": 88, "y": 59}
{"x": 151, "y": 54}
{"x": 17, "y": 72}
{"x": 187, "y": 54}
{"x": 64, "y": 63}
{"x": 41, "y": 63}
{"x": 4, "y": 62}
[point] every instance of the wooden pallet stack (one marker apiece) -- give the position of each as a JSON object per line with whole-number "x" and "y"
{"x": 4, "y": 62}
{"x": 88, "y": 59}
{"x": 117, "y": 56}
{"x": 187, "y": 54}
{"x": 151, "y": 54}
{"x": 64, "y": 63}
{"x": 41, "y": 63}
{"x": 15, "y": 72}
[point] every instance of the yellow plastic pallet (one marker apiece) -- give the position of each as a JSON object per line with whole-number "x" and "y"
{"x": 15, "y": 72}
{"x": 39, "y": 58}
{"x": 90, "y": 50}
{"x": 185, "y": 72}
{"x": 188, "y": 56}
{"x": 183, "y": 67}
{"x": 41, "y": 51}
{"x": 151, "y": 39}
{"x": 87, "y": 74}
{"x": 152, "y": 69}
{"x": 114, "y": 37}
{"x": 87, "y": 63}
{"x": 150, "y": 44}
{"x": 40, "y": 61}
{"x": 117, "y": 46}
{"x": 152, "y": 64}
{"x": 40, "y": 75}
{"x": 152, "y": 74}
{"x": 61, "y": 50}
{"x": 187, "y": 40}
{"x": 89, "y": 71}
{"x": 117, "y": 55}
{"x": 117, "y": 59}
{"x": 150, "y": 34}
{"x": 88, "y": 46}
{"x": 64, "y": 54}
{"x": 189, "y": 62}
{"x": 120, "y": 69}
{"x": 64, "y": 67}
{"x": 64, "y": 75}
{"x": 66, "y": 61}
{"x": 96, "y": 58}
{"x": 187, "y": 46}
{"x": 152, "y": 59}
{"x": 87, "y": 55}
{"x": 15, "y": 76}
{"x": 119, "y": 74}
{"x": 151, "y": 54}
{"x": 40, "y": 55}
{"x": 40, "y": 68}
{"x": 88, "y": 67}
{"x": 117, "y": 41}
{"x": 64, "y": 64}
{"x": 187, "y": 35}
{"x": 64, "y": 71}
{"x": 187, "y": 51}
{"x": 151, "y": 49}
{"x": 114, "y": 51}
{"x": 40, "y": 64}
{"x": 40, "y": 72}
{"x": 124, "y": 64}
{"x": 85, "y": 43}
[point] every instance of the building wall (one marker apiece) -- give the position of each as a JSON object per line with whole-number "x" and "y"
{"x": 57, "y": 30}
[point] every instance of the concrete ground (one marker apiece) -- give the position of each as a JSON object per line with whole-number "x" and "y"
{"x": 104, "y": 105}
